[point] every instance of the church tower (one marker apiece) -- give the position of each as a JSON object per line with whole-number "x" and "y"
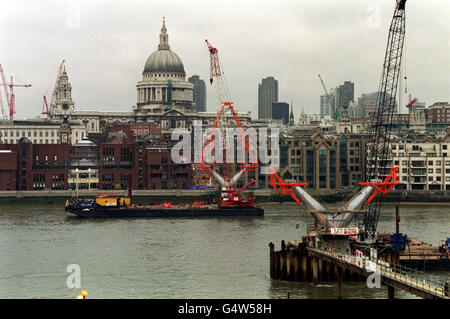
{"x": 63, "y": 102}
{"x": 303, "y": 120}
{"x": 65, "y": 132}
{"x": 291, "y": 116}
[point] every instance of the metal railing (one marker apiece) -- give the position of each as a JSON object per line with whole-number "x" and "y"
{"x": 414, "y": 278}
{"x": 411, "y": 277}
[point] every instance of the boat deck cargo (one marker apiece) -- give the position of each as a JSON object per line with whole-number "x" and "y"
{"x": 116, "y": 206}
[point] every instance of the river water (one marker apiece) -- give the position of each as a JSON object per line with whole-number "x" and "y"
{"x": 173, "y": 258}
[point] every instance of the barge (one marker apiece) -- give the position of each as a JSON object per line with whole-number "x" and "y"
{"x": 114, "y": 206}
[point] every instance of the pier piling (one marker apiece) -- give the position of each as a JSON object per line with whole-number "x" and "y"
{"x": 391, "y": 292}
{"x": 340, "y": 280}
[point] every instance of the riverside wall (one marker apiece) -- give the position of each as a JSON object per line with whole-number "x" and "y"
{"x": 263, "y": 195}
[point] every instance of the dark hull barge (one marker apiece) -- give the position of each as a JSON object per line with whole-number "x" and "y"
{"x": 92, "y": 209}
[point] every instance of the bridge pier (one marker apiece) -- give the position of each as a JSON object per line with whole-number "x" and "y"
{"x": 315, "y": 270}
{"x": 304, "y": 268}
{"x": 320, "y": 266}
{"x": 296, "y": 267}
{"x": 391, "y": 292}
{"x": 289, "y": 265}
{"x": 283, "y": 266}
{"x": 340, "y": 280}
{"x": 328, "y": 275}
{"x": 272, "y": 260}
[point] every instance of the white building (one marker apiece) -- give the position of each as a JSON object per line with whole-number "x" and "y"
{"x": 423, "y": 164}
{"x": 38, "y": 131}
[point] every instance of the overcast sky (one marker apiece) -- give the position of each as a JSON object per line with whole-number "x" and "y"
{"x": 106, "y": 43}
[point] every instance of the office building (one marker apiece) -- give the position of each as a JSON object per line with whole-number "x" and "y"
{"x": 267, "y": 94}
{"x": 199, "y": 93}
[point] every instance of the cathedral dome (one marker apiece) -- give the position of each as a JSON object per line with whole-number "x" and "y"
{"x": 164, "y": 60}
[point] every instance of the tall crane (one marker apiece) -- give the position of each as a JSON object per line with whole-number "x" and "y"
{"x": 4, "y": 115}
{"x": 45, "y": 106}
{"x": 208, "y": 163}
{"x": 10, "y": 97}
{"x": 330, "y": 100}
{"x": 377, "y": 159}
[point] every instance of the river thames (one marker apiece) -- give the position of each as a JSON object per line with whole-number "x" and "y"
{"x": 174, "y": 258}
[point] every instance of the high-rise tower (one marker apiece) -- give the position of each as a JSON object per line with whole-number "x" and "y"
{"x": 199, "y": 93}
{"x": 267, "y": 94}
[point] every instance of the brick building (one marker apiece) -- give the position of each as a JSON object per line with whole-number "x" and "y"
{"x": 28, "y": 166}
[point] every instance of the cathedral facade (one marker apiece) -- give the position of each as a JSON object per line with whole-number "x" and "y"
{"x": 164, "y": 97}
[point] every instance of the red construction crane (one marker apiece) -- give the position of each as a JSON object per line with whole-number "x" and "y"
{"x": 227, "y": 182}
{"x": 410, "y": 104}
{"x": 45, "y": 107}
{"x": 4, "y": 116}
{"x": 221, "y": 121}
{"x": 10, "y": 97}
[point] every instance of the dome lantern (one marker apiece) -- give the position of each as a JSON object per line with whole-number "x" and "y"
{"x": 164, "y": 60}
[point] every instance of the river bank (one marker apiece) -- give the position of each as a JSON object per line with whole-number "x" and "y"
{"x": 403, "y": 197}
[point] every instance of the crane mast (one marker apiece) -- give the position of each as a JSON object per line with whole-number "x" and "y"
{"x": 377, "y": 161}
{"x": 10, "y": 97}
{"x": 228, "y": 181}
{"x": 45, "y": 106}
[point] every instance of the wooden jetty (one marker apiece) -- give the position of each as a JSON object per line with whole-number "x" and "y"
{"x": 305, "y": 260}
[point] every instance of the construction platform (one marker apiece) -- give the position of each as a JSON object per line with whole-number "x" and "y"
{"x": 312, "y": 260}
